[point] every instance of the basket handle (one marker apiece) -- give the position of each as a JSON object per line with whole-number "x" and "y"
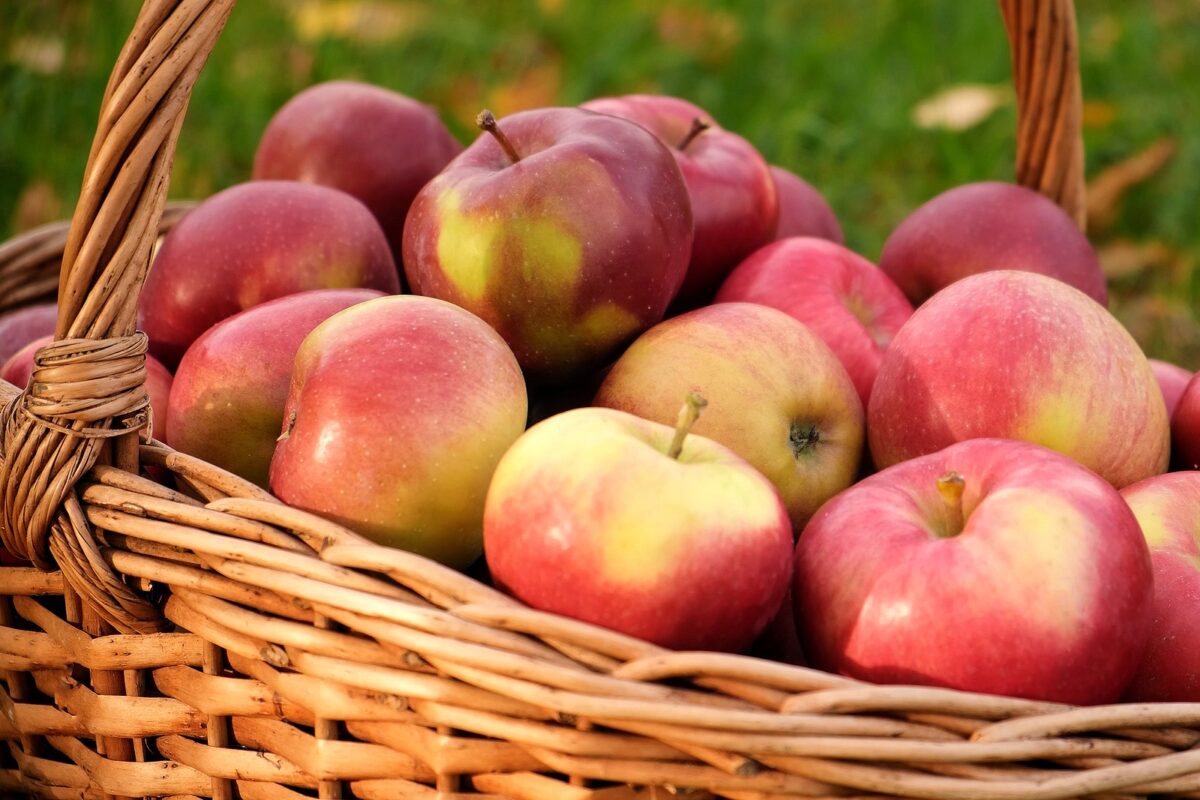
{"x": 53, "y": 434}
{"x": 1045, "y": 59}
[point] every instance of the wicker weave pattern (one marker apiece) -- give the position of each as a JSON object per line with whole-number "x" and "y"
{"x": 278, "y": 654}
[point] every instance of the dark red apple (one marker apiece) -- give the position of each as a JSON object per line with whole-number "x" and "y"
{"x": 1172, "y": 380}
{"x": 987, "y": 226}
{"x": 802, "y": 209}
{"x": 19, "y": 328}
{"x": 370, "y": 142}
{"x": 733, "y": 195}
{"x": 1185, "y": 427}
{"x": 252, "y": 243}
{"x": 567, "y": 231}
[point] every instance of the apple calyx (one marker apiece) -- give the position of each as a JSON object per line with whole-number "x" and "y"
{"x": 950, "y": 487}
{"x": 803, "y": 437}
{"x": 486, "y": 121}
{"x": 692, "y": 406}
{"x": 699, "y": 126}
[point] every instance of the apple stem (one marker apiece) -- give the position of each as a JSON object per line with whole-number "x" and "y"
{"x": 486, "y": 121}
{"x": 688, "y": 415}
{"x": 699, "y": 126}
{"x": 950, "y": 487}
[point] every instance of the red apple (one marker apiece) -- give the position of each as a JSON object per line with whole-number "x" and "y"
{"x": 777, "y": 396}
{"x": 733, "y": 195}
{"x": 802, "y": 209}
{"x": 229, "y": 391}
{"x": 398, "y": 412}
{"x": 19, "y": 368}
{"x": 1172, "y": 380}
{"x": 567, "y": 231}
{"x": 1021, "y": 356}
{"x": 19, "y": 328}
{"x": 372, "y": 143}
{"x": 252, "y": 243}
{"x": 988, "y": 226}
{"x": 838, "y": 294}
{"x": 992, "y": 566}
{"x": 1168, "y": 509}
{"x": 593, "y": 515}
{"x": 1185, "y": 427}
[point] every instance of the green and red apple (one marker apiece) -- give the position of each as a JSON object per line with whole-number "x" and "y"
{"x": 252, "y": 243}
{"x": 601, "y": 516}
{"x": 987, "y": 226}
{"x": 1168, "y": 509}
{"x": 838, "y": 294}
{"x": 566, "y": 231}
{"x": 372, "y": 143}
{"x": 777, "y": 395}
{"x": 733, "y": 195}
{"x": 398, "y": 411}
{"x": 992, "y": 566}
{"x": 1019, "y": 355}
{"x": 231, "y": 386}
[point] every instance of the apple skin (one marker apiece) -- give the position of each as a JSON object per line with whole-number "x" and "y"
{"x": 988, "y": 226}
{"x": 733, "y": 196}
{"x": 570, "y": 252}
{"x": 1185, "y": 427}
{"x": 777, "y": 396}
{"x": 838, "y": 294}
{"x": 1168, "y": 509}
{"x": 398, "y": 411}
{"x": 230, "y": 388}
{"x": 1172, "y": 380}
{"x": 803, "y": 211}
{"x": 255, "y": 242}
{"x": 1046, "y": 593}
{"x": 19, "y": 328}
{"x": 588, "y": 517}
{"x": 19, "y": 368}
{"x": 372, "y": 143}
{"x": 1021, "y": 356}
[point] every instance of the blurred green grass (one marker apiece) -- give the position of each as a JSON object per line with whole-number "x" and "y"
{"x": 826, "y": 89}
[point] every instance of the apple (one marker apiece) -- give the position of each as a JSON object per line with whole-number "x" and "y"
{"x": 733, "y": 195}
{"x": 398, "y": 411}
{"x": 1185, "y": 427}
{"x": 229, "y": 391}
{"x": 777, "y": 396}
{"x": 838, "y": 294}
{"x": 1168, "y": 509}
{"x": 19, "y": 369}
{"x": 986, "y": 226}
{"x": 992, "y": 566}
{"x": 370, "y": 142}
{"x": 1018, "y": 355}
{"x": 1172, "y": 380}
{"x": 255, "y": 242}
{"x": 19, "y": 328}
{"x": 802, "y": 209}
{"x": 604, "y": 517}
{"x": 566, "y": 231}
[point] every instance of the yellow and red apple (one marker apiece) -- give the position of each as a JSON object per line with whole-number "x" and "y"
{"x": 398, "y": 412}
{"x": 777, "y": 395}
{"x": 1018, "y": 355}
{"x": 992, "y": 566}
{"x": 592, "y": 515}
{"x": 1168, "y": 509}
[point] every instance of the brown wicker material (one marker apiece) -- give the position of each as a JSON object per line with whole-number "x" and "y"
{"x": 201, "y": 639}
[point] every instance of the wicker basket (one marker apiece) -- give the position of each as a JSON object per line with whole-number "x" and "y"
{"x": 207, "y": 640}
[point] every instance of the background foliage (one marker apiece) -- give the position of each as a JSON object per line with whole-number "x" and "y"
{"x": 830, "y": 90}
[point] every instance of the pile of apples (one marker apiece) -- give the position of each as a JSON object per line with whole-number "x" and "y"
{"x": 639, "y": 374}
